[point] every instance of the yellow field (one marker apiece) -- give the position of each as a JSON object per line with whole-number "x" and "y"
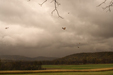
{"x": 55, "y": 70}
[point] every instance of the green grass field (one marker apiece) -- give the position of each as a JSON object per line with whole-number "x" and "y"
{"x": 79, "y": 67}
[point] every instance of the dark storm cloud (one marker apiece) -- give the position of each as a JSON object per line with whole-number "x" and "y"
{"x": 33, "y": 31}
{"x": 94, "y": 21}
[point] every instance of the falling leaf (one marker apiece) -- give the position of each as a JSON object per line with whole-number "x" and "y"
{"x": 63, "y": 28}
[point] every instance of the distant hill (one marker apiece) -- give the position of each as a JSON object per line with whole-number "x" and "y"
{"x": 86, "y": 58}
{"x": 41, "y": 58}
{"x": 78, "y": 58}
{"x": 18, "y": 57}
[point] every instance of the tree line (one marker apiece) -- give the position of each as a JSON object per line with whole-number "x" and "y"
{"x": 74, "y": 59}
{"x": 20, "y": 65}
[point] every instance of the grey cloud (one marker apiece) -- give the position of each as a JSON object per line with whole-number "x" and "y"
{"x": 33, "y": 31}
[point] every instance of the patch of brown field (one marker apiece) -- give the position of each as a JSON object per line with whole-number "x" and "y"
{"x": 54, "y": 70}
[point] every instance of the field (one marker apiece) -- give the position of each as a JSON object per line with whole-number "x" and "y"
{"x": 69, "y": 73}
{"x": 79, "y": 67}
{"x": 74, "y": 67}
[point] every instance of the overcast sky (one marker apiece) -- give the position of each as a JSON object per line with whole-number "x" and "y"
{"x": 33, "y": 31}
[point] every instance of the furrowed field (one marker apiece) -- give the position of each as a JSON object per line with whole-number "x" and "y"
{"x": 75, "y": 67}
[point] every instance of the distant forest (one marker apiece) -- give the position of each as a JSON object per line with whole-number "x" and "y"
{"x": 20, "y": 65}
{"x": 83, "y": 58}
{"x": 74, "y": 59}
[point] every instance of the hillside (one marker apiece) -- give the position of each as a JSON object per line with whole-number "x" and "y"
{"x": 87, "y": 58}
{"x": 18, "y": 57}
{"x": 79, "y": 58}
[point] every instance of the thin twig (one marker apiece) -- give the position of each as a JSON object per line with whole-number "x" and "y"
{"x": 55, "y": 7}
{"x": 102, "y": 3}
{"x": 108, "y": 6}
{"x": 43, "y": 3}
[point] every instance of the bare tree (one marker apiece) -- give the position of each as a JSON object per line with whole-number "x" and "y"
{"x": 108, "y": 7}
{"x": 56, "y": 4}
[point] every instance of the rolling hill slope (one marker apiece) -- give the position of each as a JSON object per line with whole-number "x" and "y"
{"x": 87, "y": 58}
{"x": 18, "y": 57}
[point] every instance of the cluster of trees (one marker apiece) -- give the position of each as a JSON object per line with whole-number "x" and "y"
{"x": 78, "y": 62}
{"x": 37, "y": 65}
{"x": 20, "y": 65}
{"x": 83, "y": 58}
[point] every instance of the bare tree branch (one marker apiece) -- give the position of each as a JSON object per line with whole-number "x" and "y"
{"x": 102, "y": 3}
{"x": 108, "y": 7}
{"x": 55, "y": 7}
{"x": 43, "y": 2}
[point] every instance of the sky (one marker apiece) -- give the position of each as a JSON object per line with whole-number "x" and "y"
{"x": 33, "y": 31}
